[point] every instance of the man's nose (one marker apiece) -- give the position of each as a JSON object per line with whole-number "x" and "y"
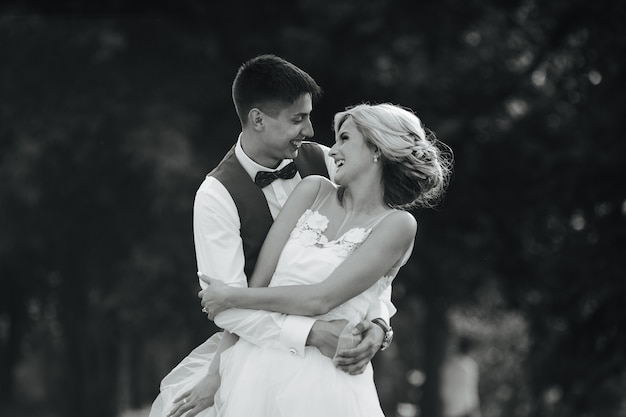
{"x": 308, "y": 129}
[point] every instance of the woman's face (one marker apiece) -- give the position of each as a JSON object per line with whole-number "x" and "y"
{"x": 351, "y": 153}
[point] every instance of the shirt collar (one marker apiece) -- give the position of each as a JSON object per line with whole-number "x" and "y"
{"x": 249, "y": 165}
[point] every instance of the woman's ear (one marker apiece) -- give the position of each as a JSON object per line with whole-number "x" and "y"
{"x": 376, "y": 153}
{"x": 255, "y": 118}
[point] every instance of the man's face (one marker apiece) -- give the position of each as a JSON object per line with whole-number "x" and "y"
{"x": 284, "y": 133}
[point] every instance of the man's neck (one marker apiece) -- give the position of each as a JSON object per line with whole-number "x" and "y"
{"x": 250, "y": 146}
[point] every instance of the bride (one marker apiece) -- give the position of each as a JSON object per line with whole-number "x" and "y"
{"x": 331, "y": 252}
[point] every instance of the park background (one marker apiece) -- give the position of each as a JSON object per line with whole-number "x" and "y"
{"x": 111, "y": 115}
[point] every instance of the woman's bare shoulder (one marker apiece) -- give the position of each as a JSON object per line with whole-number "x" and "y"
{"x": 401, "y": 222}
{"x": 317, "y": 182}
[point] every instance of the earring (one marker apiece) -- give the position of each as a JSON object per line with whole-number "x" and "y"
{"x": 376, "y": 159}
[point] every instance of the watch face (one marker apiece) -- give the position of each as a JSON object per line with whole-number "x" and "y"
{"x": 387, "y": 339}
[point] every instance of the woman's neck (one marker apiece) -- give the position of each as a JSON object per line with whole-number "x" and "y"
{"x": 365, "y": 201}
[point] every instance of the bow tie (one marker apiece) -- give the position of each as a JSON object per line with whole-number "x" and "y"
{"x": 265, "y": 178}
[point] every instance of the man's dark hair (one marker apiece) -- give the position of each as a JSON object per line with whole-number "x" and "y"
{"x": 270, "y": 83}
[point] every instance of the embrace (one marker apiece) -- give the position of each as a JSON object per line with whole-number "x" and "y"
{"x": 297, "y": 246}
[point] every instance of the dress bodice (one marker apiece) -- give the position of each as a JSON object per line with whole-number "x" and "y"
{"x": 309, "y": 257}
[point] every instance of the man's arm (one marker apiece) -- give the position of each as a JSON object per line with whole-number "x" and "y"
{"x": 219, "y": 253}
{"x": 356, "y": 272}
{"x": 359, "y": 272}
{"x": 219, "y": 248}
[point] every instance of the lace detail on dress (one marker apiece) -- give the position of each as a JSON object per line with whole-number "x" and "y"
{"x": 350, "y": 240}
{"x": 309, "y": 231}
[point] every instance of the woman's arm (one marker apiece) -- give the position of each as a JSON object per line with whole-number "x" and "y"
{"x": 371, "y": 260}
{"x": 299, "y": 200}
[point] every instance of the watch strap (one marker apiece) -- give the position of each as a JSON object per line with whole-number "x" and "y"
{"x": 388, "y": 332}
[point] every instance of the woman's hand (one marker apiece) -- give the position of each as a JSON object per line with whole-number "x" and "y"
{"x": 200, "y": 397}
{"x": 213, "y": 296}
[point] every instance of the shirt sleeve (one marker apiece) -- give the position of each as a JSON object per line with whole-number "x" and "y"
{"x": 264, "y": 328}
{"x": 219, "y": 253}
{"x": 219, "y": 248}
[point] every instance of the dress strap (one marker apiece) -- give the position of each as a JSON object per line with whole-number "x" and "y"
{"x": 325, "y": 191}
{"x": 376, "y": 220}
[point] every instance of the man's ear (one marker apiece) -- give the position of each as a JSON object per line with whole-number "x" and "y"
{"x": 255, "y": 118}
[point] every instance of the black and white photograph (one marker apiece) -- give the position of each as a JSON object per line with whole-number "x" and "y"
{"x": 347, "y": 208}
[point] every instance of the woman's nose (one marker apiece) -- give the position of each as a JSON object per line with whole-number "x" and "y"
{"x": 332, "y": 151}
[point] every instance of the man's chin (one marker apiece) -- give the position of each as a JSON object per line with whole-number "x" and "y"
{"x": 293, "y": 154}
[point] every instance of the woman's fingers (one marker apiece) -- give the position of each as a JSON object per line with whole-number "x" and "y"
{"x": 182, "y": 403}
{"x": 182, "y": 410}
{"x": 194, "y": 411}
{"x": 174, "y": 411}
{"x": 182, "y": 396}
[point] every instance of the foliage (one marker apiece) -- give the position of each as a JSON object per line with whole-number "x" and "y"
{"x": 109, "y": 123}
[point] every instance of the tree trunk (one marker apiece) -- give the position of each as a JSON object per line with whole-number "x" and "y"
{"x": 9, "y": 349}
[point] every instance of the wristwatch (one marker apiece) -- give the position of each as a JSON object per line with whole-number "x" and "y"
{"x": 388, "y": 333}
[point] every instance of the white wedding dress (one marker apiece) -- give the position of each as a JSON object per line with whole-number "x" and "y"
{"x": 267, "y": 382}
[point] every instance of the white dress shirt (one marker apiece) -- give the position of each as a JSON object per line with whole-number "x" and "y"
{"x": 219, "y": 253}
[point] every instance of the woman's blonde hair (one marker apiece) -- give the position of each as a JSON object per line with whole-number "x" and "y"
{"x": 416, "y": 166}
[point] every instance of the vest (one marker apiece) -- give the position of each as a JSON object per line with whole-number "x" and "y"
{"x": 254, "y": 213}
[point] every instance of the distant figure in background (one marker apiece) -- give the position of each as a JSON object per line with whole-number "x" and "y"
{"x": 459, "y": 383}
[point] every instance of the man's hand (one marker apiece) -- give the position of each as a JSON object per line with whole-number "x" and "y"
{"x": 324, "y": 335}
{"x": 200, "y": 397}
{"x": 353, "y": 361}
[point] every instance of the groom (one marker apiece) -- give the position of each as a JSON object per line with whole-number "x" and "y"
{"x": 239, "y": 200}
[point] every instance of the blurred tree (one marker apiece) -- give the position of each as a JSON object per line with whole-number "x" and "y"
{"x": 98, "y": 180}
{"x": 108, "y": 125}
